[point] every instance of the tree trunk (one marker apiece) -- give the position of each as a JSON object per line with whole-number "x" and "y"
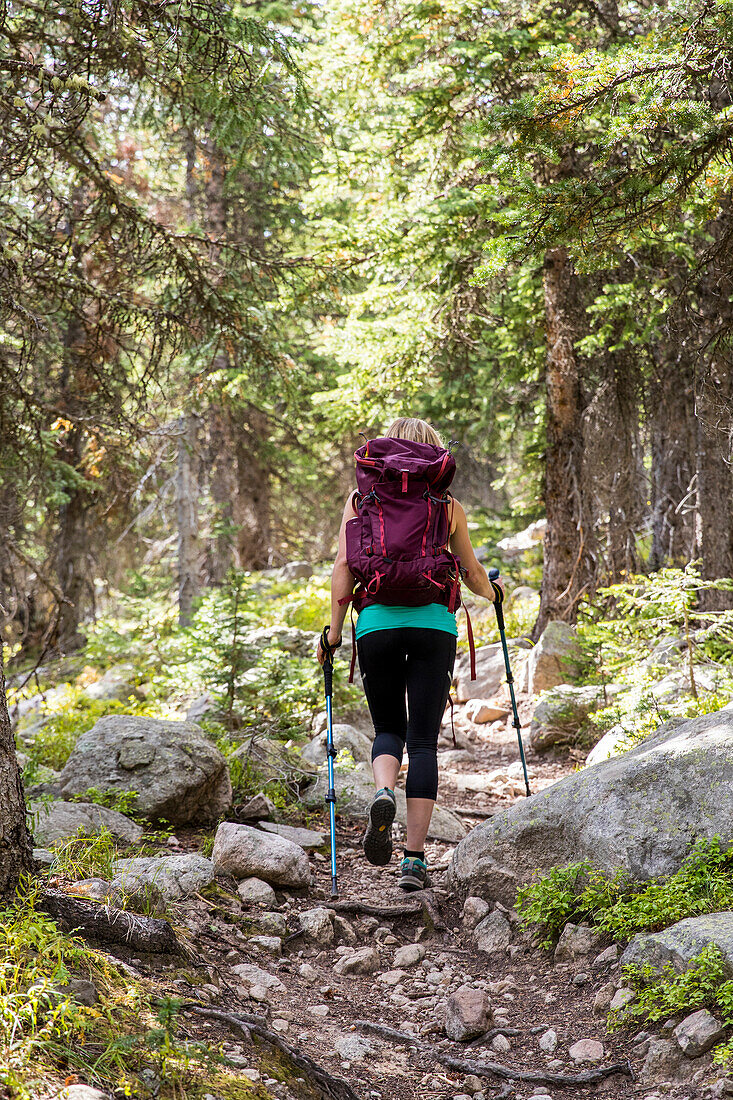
{"x": 566, "y": 574}
{"x": 714, "y": 412}
{"x": 222, "y": 479}
{"x": 16, "y": 853}
{"x": 672, "y": 444}
{"x": 626, "y": 485}
{"x": 715, "y": 482}
{"x": 253, "y": 500}
{"x": 186, "y": 492}
{"x": 73, "y": 565}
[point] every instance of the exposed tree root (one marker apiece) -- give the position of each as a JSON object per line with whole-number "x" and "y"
{"x": 330, "y": 1087}
{"x": 495, "y": 1069}
{"x": 424, "y": 906}
{"x": 105, "y": 924}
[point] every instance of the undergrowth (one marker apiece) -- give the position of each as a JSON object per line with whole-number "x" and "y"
{"x": 704, "y": 984}
{"x": 128, "y": 1041}
{"x": 649, "y": 635}
{"x": 581, "y": 893}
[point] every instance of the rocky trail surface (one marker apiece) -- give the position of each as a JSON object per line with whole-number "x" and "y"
{"x": 386, "y": 994}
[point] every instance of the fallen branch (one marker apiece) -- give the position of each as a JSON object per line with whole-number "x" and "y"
{"x": 329, "y": 1087}
{"x": 106, "y": 924}
{"x": 494, "y": 1069}
{"x": 424, "y": 905}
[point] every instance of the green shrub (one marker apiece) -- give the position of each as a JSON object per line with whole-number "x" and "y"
{"x": 704, "y": 984}
{"x": 581, "y": 893}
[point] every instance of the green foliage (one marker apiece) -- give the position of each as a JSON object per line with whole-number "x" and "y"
{"x": 67, "y": 718}
{"x": 117, "y": 1044}
{"x": 124, "y": 802}
{"x": 582, "y": 893}
{"x": 702, "y": 984}
{"x": 621, "y": 628}
{"x": 86, "y": 857}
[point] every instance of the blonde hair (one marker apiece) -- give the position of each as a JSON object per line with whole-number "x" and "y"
{"x": 417, "y": 431}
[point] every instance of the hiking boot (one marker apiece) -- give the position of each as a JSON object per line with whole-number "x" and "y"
{"x": 413, "y": 874}
{"x": 377, "y": 841}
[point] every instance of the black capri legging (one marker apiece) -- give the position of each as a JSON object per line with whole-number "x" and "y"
{"x": 407, "y": 673}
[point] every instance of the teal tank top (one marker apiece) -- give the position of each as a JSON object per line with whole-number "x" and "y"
{"x": 379, "y": 616}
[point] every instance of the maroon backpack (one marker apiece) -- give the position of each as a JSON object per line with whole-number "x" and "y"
{"x": 397, "y": 546}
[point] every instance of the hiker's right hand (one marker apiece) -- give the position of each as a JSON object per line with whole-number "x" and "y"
{"x": 500, "y": 585}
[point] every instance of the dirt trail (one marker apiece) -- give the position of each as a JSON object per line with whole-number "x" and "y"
{"x": 318, "y": 1009}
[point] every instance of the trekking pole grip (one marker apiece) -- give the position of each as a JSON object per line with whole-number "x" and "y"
{"x": 498, "y": 596}
{"x": 327, "y": 664}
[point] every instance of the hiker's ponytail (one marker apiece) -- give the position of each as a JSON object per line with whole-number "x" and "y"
{"x": 413, "y": 429}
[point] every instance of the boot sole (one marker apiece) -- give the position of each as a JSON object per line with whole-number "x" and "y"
{"x": 411, "y": 884}
{"x": 377, "y": 841}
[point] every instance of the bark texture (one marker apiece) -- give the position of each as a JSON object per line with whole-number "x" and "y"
{"x": 16, "y": 853}
{"x": 186, "y": 492}
{"x": 568, "y": 539}
{"x": 672, "y": 445}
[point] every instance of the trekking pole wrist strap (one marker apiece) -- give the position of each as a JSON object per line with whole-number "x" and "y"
{"x": 326, "y": 646}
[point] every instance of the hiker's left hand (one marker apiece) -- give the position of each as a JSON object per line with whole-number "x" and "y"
{"x": 332, "y": 641}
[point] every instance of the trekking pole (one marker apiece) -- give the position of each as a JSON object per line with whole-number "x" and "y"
{"x": 498, "y": 600}
{"x": 331, "y": 795}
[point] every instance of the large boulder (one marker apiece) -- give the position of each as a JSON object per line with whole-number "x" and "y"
{"x": 118, "y": 682}
{"x": 681, "y": 942}
{"x": 490, "y": 669}
{"x": 176, "y": 772}
{"x": 344, "y": 737}
{"x": 243, "y": 852}
{"x": 554, "y": 659}
{"x": 355, "y": 790}
{"x": 58, "y": 821}
{"x": 170, "y": 878}
{"x": 639, "y": 813}
{"x": 561, "y": 713}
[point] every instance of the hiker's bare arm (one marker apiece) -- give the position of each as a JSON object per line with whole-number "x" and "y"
{"x": 460, "y": 543}
{"x": 342, "y": 583}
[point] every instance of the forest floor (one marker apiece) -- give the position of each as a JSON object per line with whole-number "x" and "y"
{"x": 318, "y": 1011}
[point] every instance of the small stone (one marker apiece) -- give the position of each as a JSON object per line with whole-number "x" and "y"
{"x": 548, "y": 1041}
{"x": 587, "y": 1050}
{"x": 251, "y": 976}
{"x": 82, "y": 991}
{"x": 255, "y": 891}
{"x": 392, "y": 977}
{"x": 698, "y": 1033}
{"x": 576, "y": 941}
{"x": 280, "y": 1025}
{"x": 353, "y": 1048}
{"x": 409, "y": 955}
{"x": 480, "y": 712}
{"x": 257, "y": 808}
{"x": 474, "y": 910}
{"x": 365, "y": 961}
{"x": 581, "y": 978}
{"x": 607, "y": 957}
{"x": 343, "y": 928}
{"x": 621, "y": 998}
{"x": 252, "y": 1073}
{"x": 317, "y": 926}
{"x": 472, "y": 1084}
{"x": 468, "y": 1014}
{"x": 603, "y": 998}
{"x": 501, "y": 1044}
{"x": 321, "y": 1011}
{"x": 270, "y": 945}
{"x": 308, "y": 972}
{"x": 493, "y": 934}
{"x": 258, "y": 993}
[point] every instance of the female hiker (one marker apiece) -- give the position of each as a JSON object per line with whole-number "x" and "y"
{"x": 401, "y": 541}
